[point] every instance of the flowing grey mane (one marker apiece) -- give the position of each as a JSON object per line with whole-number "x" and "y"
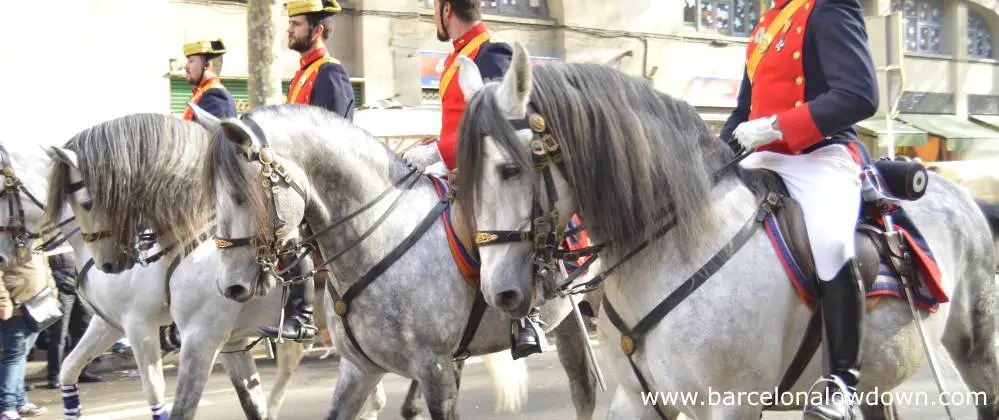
{"x": 141, "y": 170}
{"x": 314, "y": 132}
{"x": 645, "y": 150}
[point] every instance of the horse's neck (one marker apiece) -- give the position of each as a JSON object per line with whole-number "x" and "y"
{"x": 401, "y": 220}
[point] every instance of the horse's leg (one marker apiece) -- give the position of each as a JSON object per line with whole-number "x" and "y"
{"x": 572, "y": 355}
{"x": 245, "y": 379}
{"x": 202, "y": 341}
{"x": 375, "y": 404}
{"x": 99, "y": 336}
{"x": 440, "y": 389}
{"x": 410, "y": 408}
{"x": 352, "y": 391}
{"x": 143, "y": 335}
{"x": 289, "y": 356}
{"x": 969, "y": 337}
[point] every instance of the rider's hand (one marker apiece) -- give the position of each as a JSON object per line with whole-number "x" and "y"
{"x": 6, "y": 312}
{"x": 423, "y": 156}
{"x": 758, "y": 132}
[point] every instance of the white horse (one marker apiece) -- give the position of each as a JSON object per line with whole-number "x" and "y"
{"x": 627, "y": 157}
{"x": 143, "y": 169}
{"x": 132, "y": 303}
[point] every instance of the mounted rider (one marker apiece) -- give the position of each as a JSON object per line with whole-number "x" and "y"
{"x": 204, "y": 64}
{"x": 460, "y": 22}
{"x": 809, "y": 78}
{"x": 321, "y": 81}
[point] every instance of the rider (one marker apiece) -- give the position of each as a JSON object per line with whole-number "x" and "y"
{"x": 204, "y": 64}
{"x": 460, "y": 21}
{"x": 809, "y": 77}
{"x": 322, "y": 81}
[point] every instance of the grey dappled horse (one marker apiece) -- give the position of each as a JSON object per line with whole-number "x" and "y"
{"x": 411, "y": 318}
{"x": 630, "y": 154}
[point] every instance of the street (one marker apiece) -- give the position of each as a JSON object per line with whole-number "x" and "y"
{"x": 309, "y": 398}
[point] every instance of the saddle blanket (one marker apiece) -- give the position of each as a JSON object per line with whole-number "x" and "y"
{"x": 929, "y": 294}
{"x": 467, "y": 262}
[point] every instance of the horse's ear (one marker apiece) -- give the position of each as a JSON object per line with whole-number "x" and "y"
{"x": 207, "y": 120}
{"x": 238, "y": 133}
{"x": 63, "y": 155}
{"x": 516, "y": 88}
{"x": 469, "y": 77}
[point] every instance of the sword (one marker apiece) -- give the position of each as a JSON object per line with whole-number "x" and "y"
{"x": 934, "y": 365}
{"x": 586, "y": 336}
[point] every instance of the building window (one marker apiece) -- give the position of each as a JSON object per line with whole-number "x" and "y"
{"x": 536, "y": 9}
{"x": 727, "y": 17}
{"x": 979, "y": 37}
{"x": 923, "y": 24}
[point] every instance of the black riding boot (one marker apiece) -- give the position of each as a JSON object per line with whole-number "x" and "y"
{"x": 843, "y": 310}
{"x": 169, "y": 338}
{"x": 526, "y": 340}
{"x": 298, "y": 323}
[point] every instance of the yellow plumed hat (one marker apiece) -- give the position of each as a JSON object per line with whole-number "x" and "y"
{"x": 321, "y": 8}
{"x": 215, "y": 47}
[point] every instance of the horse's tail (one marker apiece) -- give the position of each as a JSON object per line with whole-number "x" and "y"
{"x": 510, "y": 380}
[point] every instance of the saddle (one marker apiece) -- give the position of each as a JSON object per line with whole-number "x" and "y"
{"x": 875, "y": 252}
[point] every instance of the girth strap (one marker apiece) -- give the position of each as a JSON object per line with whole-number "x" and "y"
{"x": 341, "y": 305}
{"x": 632, "y": 338}
{"x": 474, "y": 319}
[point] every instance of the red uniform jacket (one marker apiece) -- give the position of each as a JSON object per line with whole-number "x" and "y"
{"x": 493, "y": 59}
{"x": 814, "y": 72}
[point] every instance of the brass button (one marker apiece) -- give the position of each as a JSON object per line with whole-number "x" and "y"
{"x": 796, "y": 55}
{"x": 627, "y": 345}
{"x": 798, "y": 30}
{"x": 808, "y": 6}
{"x": 797, "y": 104}
{"x": 799, "y": 80}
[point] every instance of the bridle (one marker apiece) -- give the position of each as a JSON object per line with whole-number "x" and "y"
{"x": 546, "y": 233}
{"x": 271, "y": 250}
{"x": 16, "y": 225}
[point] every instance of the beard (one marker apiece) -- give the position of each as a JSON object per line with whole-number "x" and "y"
{"x": 299, "y": 45}
{"x": 442, "y": 37}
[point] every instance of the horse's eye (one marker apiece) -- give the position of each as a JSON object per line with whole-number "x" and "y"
{"x": 87, "y": 205}
{"x": 509, "y": 170}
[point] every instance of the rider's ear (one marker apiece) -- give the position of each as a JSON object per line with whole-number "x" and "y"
{"x": 63, "y": 155}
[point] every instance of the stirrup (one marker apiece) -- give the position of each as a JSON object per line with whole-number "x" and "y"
{"x": 836, "y": 405}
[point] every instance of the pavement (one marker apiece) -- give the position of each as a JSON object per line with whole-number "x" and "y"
{"x": 120, "y": 397}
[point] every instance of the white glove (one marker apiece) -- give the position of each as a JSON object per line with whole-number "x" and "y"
{"x": 758, "y": 132}
{"x": 423, "y": 156}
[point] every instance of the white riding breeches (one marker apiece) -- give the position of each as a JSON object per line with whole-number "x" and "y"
{"x": 826, "y": 183}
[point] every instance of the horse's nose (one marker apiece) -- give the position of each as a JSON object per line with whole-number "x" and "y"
{"x": 238, "y": 293}
{"x": 509, "y": 300}
{"x": 107, "y": 268}
{"x": 3, "y": 262}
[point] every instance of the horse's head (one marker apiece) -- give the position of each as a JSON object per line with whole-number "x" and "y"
{"x": 109, "y": 256}
{"x": 21, "y": 216}
{"x": 500, "y": 182}
{"x": 258, "y": 202}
